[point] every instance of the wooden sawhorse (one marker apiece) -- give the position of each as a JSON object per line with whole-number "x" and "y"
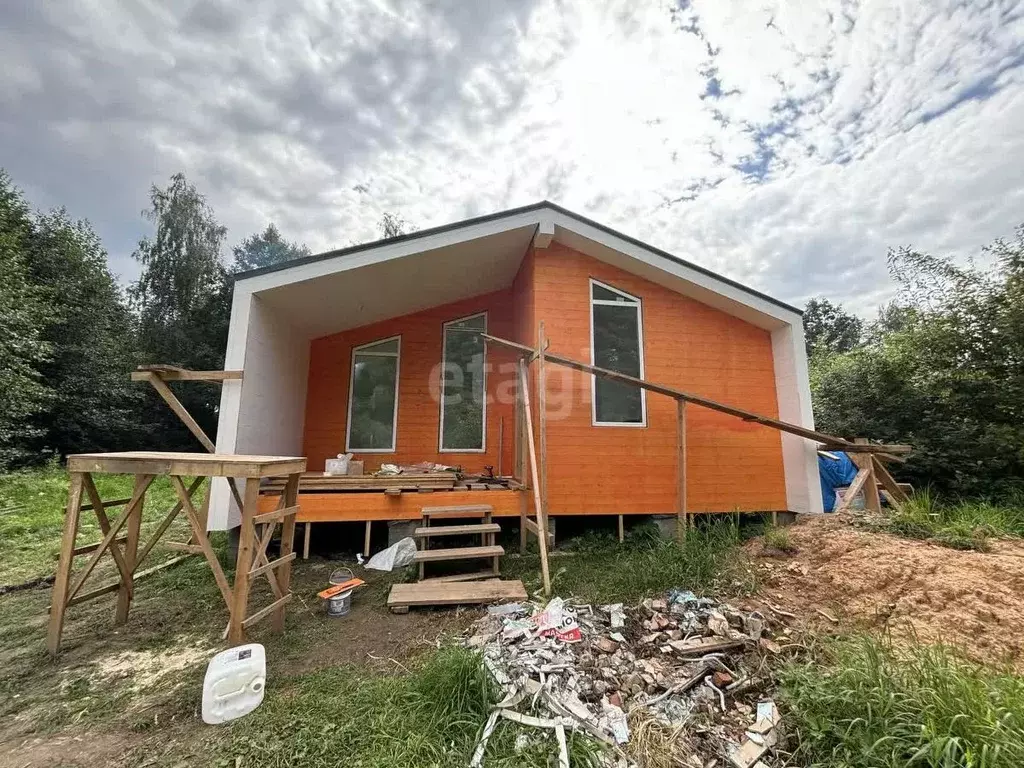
{"x": 252, "y": 558}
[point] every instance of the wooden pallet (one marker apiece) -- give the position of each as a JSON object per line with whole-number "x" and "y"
{"x": 404, "y": 596}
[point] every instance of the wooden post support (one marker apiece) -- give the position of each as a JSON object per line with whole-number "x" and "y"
{"x": 289, "y": 500}
{"x": 683, "y": 521}
{"x": 542, "y": 426}
{"x": 366, "y": 539}
{"x": 131, "y": 548}
{"x": 305, "y": 539}
{"x": 246, "y": 545}
{"x": 622, "y": 528}
{"x": 63, "y": 578}
{"x": 523, "y": 515}
{"x": 542, "y": 528}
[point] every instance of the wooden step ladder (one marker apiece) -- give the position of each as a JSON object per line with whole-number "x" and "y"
{"x": 487, "y": 530}
{"x": 463, "y": 588}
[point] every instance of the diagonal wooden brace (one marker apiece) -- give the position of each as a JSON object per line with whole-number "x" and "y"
{"x": 202, "y": 539}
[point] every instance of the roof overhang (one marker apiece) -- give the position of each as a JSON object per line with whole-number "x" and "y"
{"x": 337, "y": 290}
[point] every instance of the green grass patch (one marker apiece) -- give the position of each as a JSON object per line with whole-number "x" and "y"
{"x": 778, "y": 538}
{"x": 430, "y": 716}
{"x": 862, "y": 702}
{"x": 598, "y": 569}
{"x": 959, "y": 525}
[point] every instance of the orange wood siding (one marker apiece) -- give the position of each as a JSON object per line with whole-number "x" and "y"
{"x": 419, "y": 414}
{"x": 731, "y": 464}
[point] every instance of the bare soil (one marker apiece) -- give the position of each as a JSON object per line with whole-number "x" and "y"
{"x": 912, "y": 589}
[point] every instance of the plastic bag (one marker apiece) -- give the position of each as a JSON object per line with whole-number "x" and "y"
{"x": 397, "y": 555}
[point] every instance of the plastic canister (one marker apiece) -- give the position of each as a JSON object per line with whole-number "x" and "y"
{"x": 234, "y": 684}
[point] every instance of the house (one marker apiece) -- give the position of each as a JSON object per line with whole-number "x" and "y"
{"x": 377, "y": 350}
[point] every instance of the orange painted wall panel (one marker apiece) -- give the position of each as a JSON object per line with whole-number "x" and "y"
{"x": 419, "y": 410}
{"x": 731, "y": 465}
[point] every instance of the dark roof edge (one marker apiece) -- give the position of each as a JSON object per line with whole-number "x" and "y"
{"x": 503, "y": 214}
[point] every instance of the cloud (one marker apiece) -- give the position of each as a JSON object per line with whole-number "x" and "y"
{"x": 786, "y": 146}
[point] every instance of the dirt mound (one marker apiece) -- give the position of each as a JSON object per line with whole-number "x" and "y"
{"x": 912, "y": 588}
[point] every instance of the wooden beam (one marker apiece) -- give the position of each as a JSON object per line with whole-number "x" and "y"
{"x": 277, "y": 514}
{"x": 831, "y": 441}
{"x": 853, "y": 490}
{"x": 271, "y": 564}
{"x": 59, "y": 596}
{"x": 682, "y": 522}
{"x": 113, "y": 586}
{"x": 277, "y": 605}
{"x": 542, "y": 540}
{"x": 542, "y": 428}
{"x": 172, "y": 373}
{"x": 889, "y": 482}
{"x": 182, "y": 413}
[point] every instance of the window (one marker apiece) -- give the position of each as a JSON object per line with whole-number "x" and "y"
{"x": 616, "y": 343}
{"x": 373, "y": 399}
{"x": 463, "y": 390}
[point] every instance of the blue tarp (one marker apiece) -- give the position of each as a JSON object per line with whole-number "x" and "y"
{"x": 834, "y": 473}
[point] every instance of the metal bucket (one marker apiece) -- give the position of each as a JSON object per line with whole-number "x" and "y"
{"x": 340, "y": 604}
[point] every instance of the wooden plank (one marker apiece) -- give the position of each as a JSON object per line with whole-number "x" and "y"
{"x": 895, "y": 450}
{"x": 108, "y": 504}
{"x": 853, "y": 490}
{"x": 622, "y": 529}
{"x": 113, "y": 586}
{"x": 182, "y": 546}
{"x": 533, "y": 528}
{"x": 179, "y": 410}
{"x": 305, "y": 539}
{"x": 191, "y": 464}
{"x": 888, "y": 482}
{"x": 466, "y": 510}
{"x": 457, "y": 553}
{"x": 155, "y": 536}
{"x": 541, "y": 540}
{"x": 59, "y": 596}
{"x": 830, "y": 441}
{"x": 87, "y": 548}
{"x": 131, "y": 547}
{"x": 455, "y": 593}
{"x": 488, "y": 574}
{"x": 682, "y": 520}
{"x": 456, "y": 530}
{"x": 173, "y": 373}
{"x": 864, "y": 462}
{"x": 542, "y": 433}
{"x": 203, "y": 540}
{"x": 271, "y": 565}
{"x": 277, "y": 605}
{"x": 284, "y": 576}
{"x": 277, "y": 514}
{"x": 320, "y": 482}
{"x": 392, "y": 491}
{"x": 239, "y": 600}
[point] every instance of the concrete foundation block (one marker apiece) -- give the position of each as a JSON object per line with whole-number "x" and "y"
{"x": 400, "y": 529}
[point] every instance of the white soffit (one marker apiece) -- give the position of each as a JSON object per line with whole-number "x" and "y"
{"x": 356, "y": 293}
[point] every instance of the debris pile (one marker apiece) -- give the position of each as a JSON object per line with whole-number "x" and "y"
{"x": 693, "y": 664}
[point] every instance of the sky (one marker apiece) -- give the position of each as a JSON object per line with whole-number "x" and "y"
{"x": 786, "y": 145}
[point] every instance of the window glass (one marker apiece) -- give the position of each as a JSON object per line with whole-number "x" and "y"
{"x": 374, "y": 396}
{"x": 617, "y": 347}
{"x": 462, "y": 386}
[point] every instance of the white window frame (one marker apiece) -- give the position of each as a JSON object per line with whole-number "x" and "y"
{"x": 640, "y": 340}
{"x": 444, "y": 354}
{"x": 352, "y": 390}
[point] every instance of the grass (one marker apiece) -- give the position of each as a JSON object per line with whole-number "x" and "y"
{"x": 959, "y": 525}
{"x": 429, "y": 716}
{"x": 862, "y": 702}
{"x": 779, "y": 538}
{"x": 599, "y": 569}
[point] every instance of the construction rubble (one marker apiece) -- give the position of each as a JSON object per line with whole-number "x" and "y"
{"x": 692, "y": 664}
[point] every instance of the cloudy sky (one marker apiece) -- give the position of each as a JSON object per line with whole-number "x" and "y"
{"x": 784, "y": 144}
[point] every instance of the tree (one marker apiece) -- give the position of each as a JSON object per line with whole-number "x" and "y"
{"x": 391, "y": 225}
{"x": 22, "y": 324}
{"x": 92, "y": 337}
{"x": 182, "y": 299}
{"x": 829, "y": 327}
{"x": 265, "y": 249}
{"x": 943, "y": 370}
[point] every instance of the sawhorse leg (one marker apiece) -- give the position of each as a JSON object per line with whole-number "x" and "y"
{"x": 62, "y": 581}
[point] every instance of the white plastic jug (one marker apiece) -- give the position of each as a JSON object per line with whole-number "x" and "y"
{"x": 234, "y": 683}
